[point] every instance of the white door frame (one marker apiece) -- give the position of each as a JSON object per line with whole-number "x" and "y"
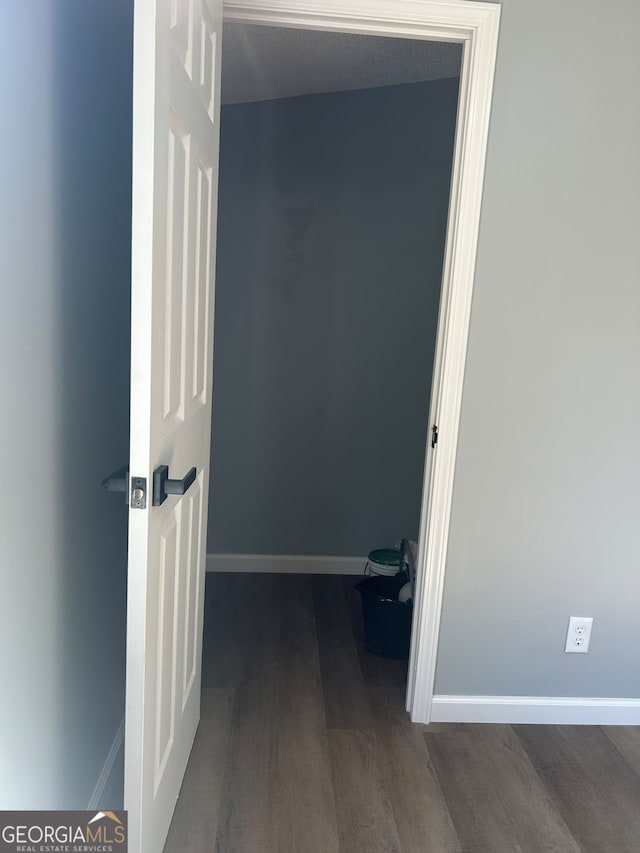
{"x": 475, "y": 25}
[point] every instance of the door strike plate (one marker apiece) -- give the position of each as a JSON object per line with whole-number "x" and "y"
{"x": 138, "y": 496}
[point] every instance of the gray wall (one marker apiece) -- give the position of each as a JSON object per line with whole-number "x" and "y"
{"x": 331, "y": 235}
{"x": 547, "y": 495}
{"x": 65, "y": 245}
{"x": 546, "y": 498}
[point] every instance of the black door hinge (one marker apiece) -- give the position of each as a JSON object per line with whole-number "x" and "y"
{"x": 434, "y": 435}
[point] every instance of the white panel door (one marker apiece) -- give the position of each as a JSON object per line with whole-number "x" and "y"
{"x": 175, "y": 174}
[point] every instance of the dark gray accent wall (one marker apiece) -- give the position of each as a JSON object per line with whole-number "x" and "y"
{"x": 332, "y": 219}
{"x": 65, "y": 223}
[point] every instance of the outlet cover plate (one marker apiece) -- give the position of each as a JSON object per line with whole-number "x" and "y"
{"x": 579, "y": 635}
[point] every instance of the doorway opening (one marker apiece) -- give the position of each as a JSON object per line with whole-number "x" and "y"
{"x": 335, "y": 169}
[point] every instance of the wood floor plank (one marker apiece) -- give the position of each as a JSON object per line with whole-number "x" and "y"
{"x": 496, "y": 799}
{"x": 230, "y": 628}
{"x": 363, "y": 807}
{"x": 595, "y": 789}
{"x": 627, "y": 741}
{"x": 305, "y": 807}
{"x": 420, "y": 811}
{"x": 247, "y": 817}
{"x": 194, "y": 825}
{"x": 449, "y": 728}
{"x": 388, "y": 707}
{"x": 300, "y": 679}
{"x": 346, "y": 702}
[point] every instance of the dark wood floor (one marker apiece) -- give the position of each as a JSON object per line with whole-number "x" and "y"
{"x": 304, "y": 747}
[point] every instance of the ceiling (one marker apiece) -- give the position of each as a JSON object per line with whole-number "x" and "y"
{"x": 261, "y": 63}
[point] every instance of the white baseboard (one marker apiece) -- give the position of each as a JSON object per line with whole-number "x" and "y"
{"x": 294, "y": 564}
{"x": 111, "y": 761}
{"x": 553, "y": 710}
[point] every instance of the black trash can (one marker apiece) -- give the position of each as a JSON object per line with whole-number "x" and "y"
{"x": 387, "y": 621}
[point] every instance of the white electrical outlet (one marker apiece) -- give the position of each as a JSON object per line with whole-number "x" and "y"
{"x": 579, "y": 634}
